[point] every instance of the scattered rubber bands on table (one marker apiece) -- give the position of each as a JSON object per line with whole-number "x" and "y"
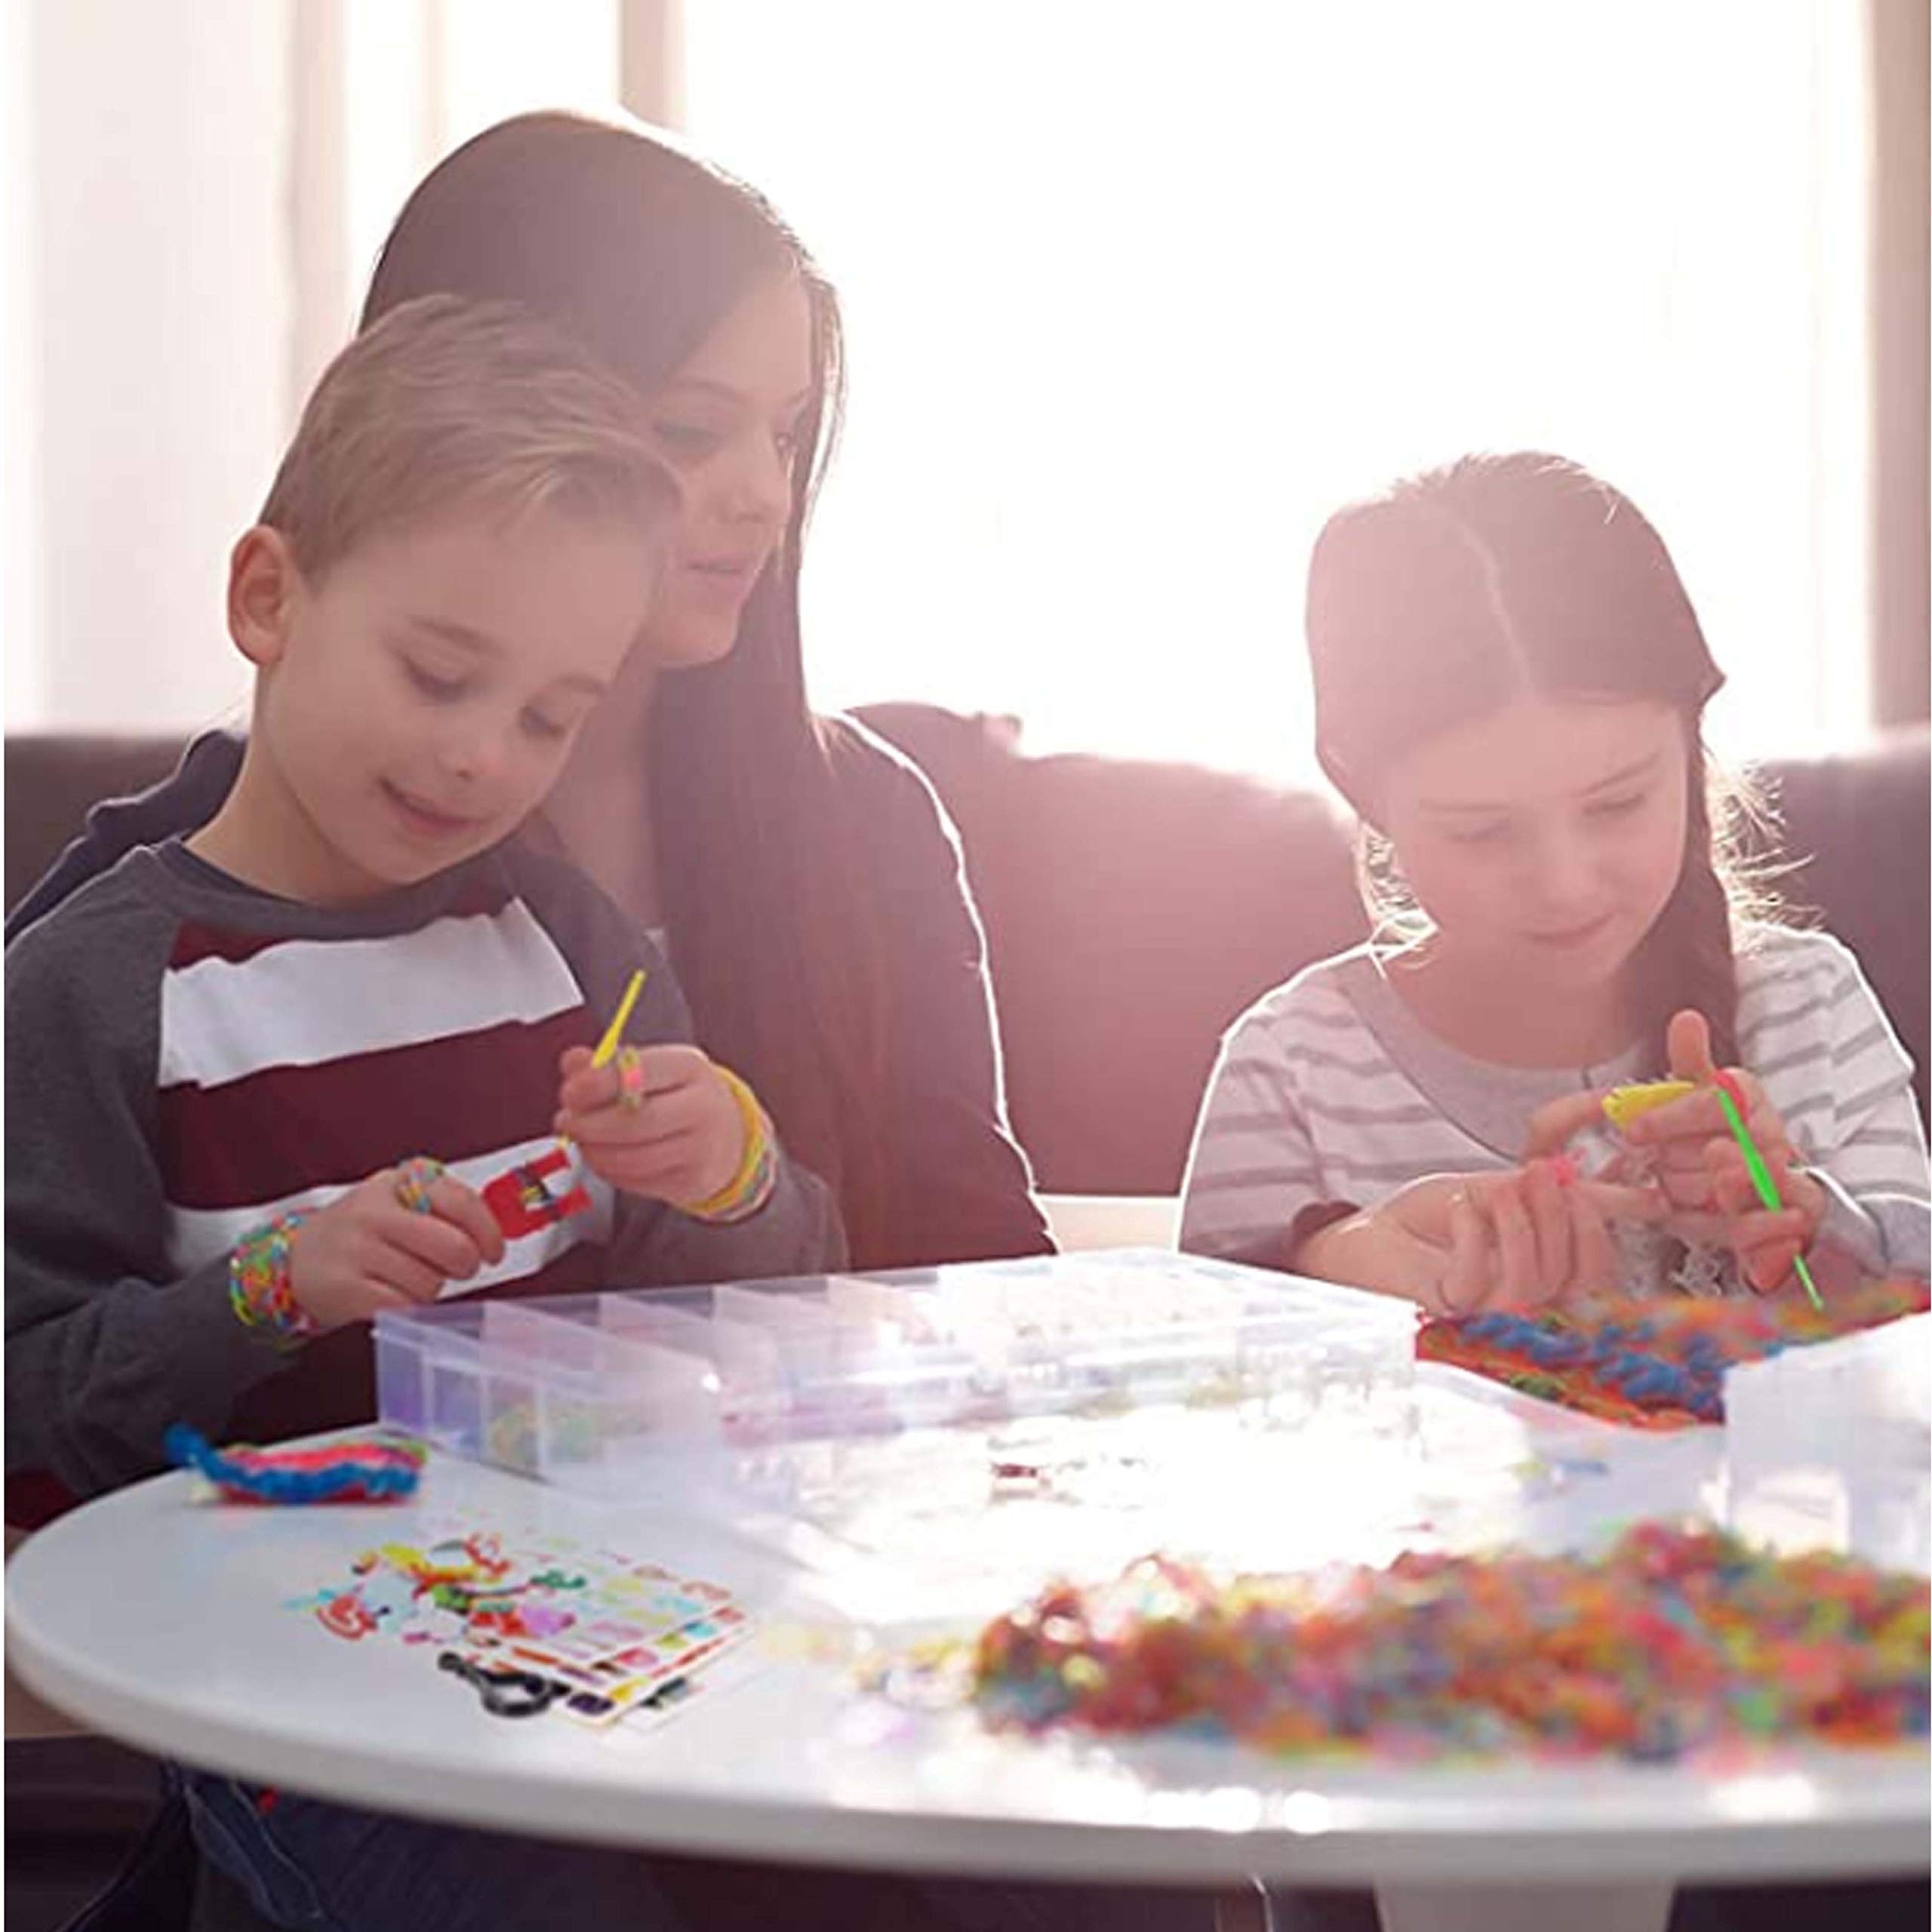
{"x": 1676, "y": 1641}
{"x": 1657, "y": 1363}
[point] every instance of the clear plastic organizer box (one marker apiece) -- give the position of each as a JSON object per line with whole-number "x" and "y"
{"x": 1831, "y": 1445}
{"x": 780, "y": 1393}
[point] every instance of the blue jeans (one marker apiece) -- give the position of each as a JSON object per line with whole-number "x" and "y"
{"x": 310, "y": 1866}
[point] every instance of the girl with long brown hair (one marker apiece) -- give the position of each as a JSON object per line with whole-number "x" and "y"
{"x": 1510, "y": 683}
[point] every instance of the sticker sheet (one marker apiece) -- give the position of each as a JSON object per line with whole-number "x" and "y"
{"x": 535, "y": 1626}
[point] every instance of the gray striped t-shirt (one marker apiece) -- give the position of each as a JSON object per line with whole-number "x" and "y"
{"x": 1329, "y": 1090}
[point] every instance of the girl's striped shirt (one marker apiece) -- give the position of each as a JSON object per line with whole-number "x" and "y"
{"x": 1329, "y": 1092}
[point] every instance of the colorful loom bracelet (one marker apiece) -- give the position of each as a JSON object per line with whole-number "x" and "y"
{"x": 413, "y": 1180}
{"x": 368, "y": 1468}
{"x": 259, "y": 1288}
{"x": 750, "y": 1188}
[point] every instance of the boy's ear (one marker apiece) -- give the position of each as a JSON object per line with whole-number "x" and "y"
{"x": 262, "y": 586}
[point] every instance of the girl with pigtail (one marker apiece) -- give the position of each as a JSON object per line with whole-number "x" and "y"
{"x": 1510, "y": 682}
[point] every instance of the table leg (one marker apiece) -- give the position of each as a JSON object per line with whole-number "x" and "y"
{"x": 1542, "y": 1907}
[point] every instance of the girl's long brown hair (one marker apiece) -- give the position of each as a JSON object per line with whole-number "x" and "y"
{"x": 1463, "y": 588}
{"x": 639, "y": 249}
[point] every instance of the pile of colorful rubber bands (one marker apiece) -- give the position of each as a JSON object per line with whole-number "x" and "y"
{"x": 1675, "y": 1640}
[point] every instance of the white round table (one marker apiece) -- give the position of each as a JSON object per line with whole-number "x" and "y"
{"x": 164, "y": 1622}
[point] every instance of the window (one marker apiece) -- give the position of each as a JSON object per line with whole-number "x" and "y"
{"x": 1137, "y": 295}
{"x": 194, "y": 191}
{"x": 418, "y": 77}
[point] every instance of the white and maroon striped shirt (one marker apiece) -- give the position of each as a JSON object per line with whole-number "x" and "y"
{"x": 188, "y": 1057}
{"x": 291, "y": 1068}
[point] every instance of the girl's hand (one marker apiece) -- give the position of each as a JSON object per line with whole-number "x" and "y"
{"x": 1527, "y": 1238}
{"x": 1457, "y": 1242}
{"x": 367, "y": 1250}
{"x": 1703, "y": 1170}
{"x": 1540, "y": 1233}
{"x": 680, "y": 1140}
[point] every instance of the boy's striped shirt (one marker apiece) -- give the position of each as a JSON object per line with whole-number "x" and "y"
{"x": 188, "y": 1057}
{"x": 292, "y": 1068}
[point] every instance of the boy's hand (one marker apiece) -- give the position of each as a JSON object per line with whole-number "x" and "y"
{"x": 1702, "y": 1169}
{"x": 367, "y": 1250}
{"x": 668, "y": 1127}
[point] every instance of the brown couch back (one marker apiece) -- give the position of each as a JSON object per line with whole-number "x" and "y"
{"x": 1133, "y": 908}
{"x": 54, "y": 776}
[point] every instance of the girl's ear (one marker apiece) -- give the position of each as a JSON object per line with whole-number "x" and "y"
{"x": 263, "y": 584}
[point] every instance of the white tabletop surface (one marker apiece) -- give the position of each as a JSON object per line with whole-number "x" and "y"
{"x": 165, "y": 1621}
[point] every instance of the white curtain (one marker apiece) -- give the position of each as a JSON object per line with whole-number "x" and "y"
{"x": 143, "y": 253}
{"x": 194, "y": 191}
{"x": 390, "y": 87}
{"x": 1137, "y": 295}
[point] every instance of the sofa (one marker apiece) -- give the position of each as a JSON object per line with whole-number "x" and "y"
{"x": 1132, "y": 909}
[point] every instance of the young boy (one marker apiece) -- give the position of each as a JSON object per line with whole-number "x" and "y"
{"x": 228, "y": 1058}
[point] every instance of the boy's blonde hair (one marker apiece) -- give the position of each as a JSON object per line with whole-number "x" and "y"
{"x": 447, "y": 403}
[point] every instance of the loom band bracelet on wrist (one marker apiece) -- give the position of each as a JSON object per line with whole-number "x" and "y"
{"x": 764, "y": 1179}
{"x": 757, "y": 1127}
{"x": 748, "y": 1192}
{"x": 259, "y": 1290}
{"x": 750, "y": 1187}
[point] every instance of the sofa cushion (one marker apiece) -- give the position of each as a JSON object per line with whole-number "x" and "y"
{"x": 54, "y": 776}
{"x": 1859, "y": 825}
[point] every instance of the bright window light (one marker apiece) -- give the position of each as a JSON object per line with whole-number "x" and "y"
{"x": 422, "y": 76}
{"x": 1137, "y": 295}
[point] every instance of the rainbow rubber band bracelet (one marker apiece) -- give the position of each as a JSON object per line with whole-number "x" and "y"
{"x": 259, "y": 1290}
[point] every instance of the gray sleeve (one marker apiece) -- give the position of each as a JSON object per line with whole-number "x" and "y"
{"x": 1884, "y": 1233}
{"x": 1252, "y": 1191}
{"x": 1875, "y": 1173}
{"x": 797, "y": 1232}
{"x": 106, "y": 1346}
